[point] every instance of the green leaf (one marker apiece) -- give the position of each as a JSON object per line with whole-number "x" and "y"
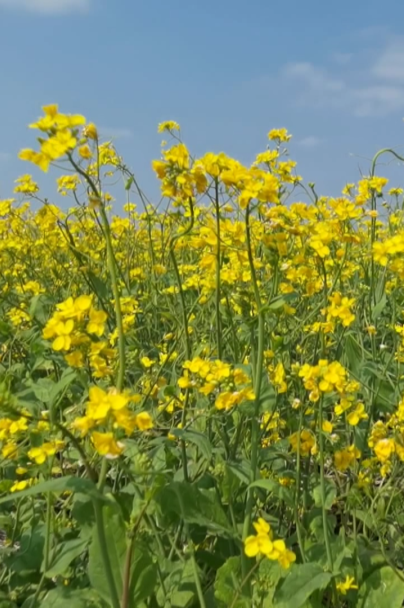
{"x": 179, "y": 586}
{"x": 227, "y": 584}
{"x": 299, "y": 584}
{"x": 62, "y": 484}
{"x": 330, "y": 495}
{"x": 193, "y": 505}
{"x": 381, "y": 588}
{"x": 270, "y": 572}
{"x": 199, "y": 439}
{"x": 354, "y": 353}
{"x": 143, "y": 570}
{"x": 143, "y": 575}
{"x": 28, "y": 556}
{"x": 63, "y": 597}
{"x": 66, "y": 552}
{"x": 68, "y": 376}
{"x": 115, "y": 534}
{"x": 380, "y": 306}
{"x": 278, "y": 302}
{"x": 275, "y": 488}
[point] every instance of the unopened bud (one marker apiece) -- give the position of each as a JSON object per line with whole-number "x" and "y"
{"x": 90, "y": 131}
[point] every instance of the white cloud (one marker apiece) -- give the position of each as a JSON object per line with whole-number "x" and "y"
{"x": 390, "y": 63}
{"x": 377, "y": 100}
{"x": 311, "y": 141}
{"x": 115, "y": 133}
{"x": 375, "y": 89}
{"x": 341, "y": 58}
{"x": 316, "y": 79}
{"x": 47, "y": 7}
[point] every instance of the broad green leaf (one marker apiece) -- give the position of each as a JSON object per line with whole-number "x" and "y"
{"x": 353, "y": 353}
{"x": 64, "y": 597}
{"x": 62, "y": 484}
{"x": 202, "y": 507}
{"x": 68, "y": 376}
{"x": 380, "y": 306}
{"x": 115, "y": 534}
{"x": 330, "y": 495}
{"x": 381, "y": 588}
{"x": 299, "y": 584}
{"x": 28, "y": 556}
{"x": 199, "y": 439}
{"x": 143, "y": 569}
{"x": 227, "y": 585}
{"x": 179, "y": 586}
{"x": 269, "y": 572}
{"x": 275, "y": 488}
{"x": 65, "y": 553}
{"x": 143, "y": 575}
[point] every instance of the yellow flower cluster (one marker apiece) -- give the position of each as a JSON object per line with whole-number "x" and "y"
{"x": 262, "y": 543}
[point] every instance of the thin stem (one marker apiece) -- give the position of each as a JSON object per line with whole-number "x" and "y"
{"x": 322, "y": 486}
{"x": 257, "y": 390}
{"x": 111, "y": 262}
{"x": 102, "y": 541}
{"x": 217, "y": 293}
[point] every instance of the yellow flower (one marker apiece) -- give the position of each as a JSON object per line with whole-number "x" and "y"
{"x": 147, "y": 363}
{"x": 85, "y": 152}
{"x": 106, "y": 445}
{"x": 262, "y": 527}
{"x": 344, "y": 586}
{"x": 307, "y": 442}
{"x": 21, "y": 485}
{"x": 42, "y": 453}
{"x": 63, "y": 331}
{"x": 384, "y": 449}
{"x": 96, "y": 323}
{"x": 280, "y": 134}
{"x": 168, "y": 125}
{"x": 144, "y": 421}
{"x": 258, "y": 544}
{"x": 343, "y": 459}
{"x": 327, "y": 426}
{"x": 356, "y": 415}
{"x": 90, "y": 131}
{"x": 83, "y": 424}
{"x": 75, "y": 359}
{"x": 102, "y": 402}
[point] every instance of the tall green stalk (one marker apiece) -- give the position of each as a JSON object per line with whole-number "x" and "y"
{"x": 218, "y": 256}
{"x": 112, "y": 269}
{"x": 257, "y": 390}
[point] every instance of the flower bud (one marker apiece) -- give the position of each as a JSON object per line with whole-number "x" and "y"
{"x": 90, "y": 131}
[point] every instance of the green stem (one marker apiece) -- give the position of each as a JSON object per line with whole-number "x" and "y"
{"x": 322, "y": 486}
{"x": 111, "y": 262}
{"x": 298, "y": 482}
{"x": 217, "y": 294}
{"x": 257, "y": 390}
{"x": 102, "y": 541}
{"x": 47, "y": 530}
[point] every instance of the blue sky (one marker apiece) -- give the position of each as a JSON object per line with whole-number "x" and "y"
{"x": 227, "y": 70}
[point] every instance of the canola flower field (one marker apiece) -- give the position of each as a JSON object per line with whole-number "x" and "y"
{"x": 202, "y": 400}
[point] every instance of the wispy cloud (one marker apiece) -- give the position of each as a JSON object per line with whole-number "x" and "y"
{"x": 311, "y": 141}
{"x": 375, "y": 89}
{"x": 341, "y": 58}
{"x": 4, "y": 157}
{"x": 47, "y": 7}
{"x": 115, "y": 133}
{"x": 390, "y": 63}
